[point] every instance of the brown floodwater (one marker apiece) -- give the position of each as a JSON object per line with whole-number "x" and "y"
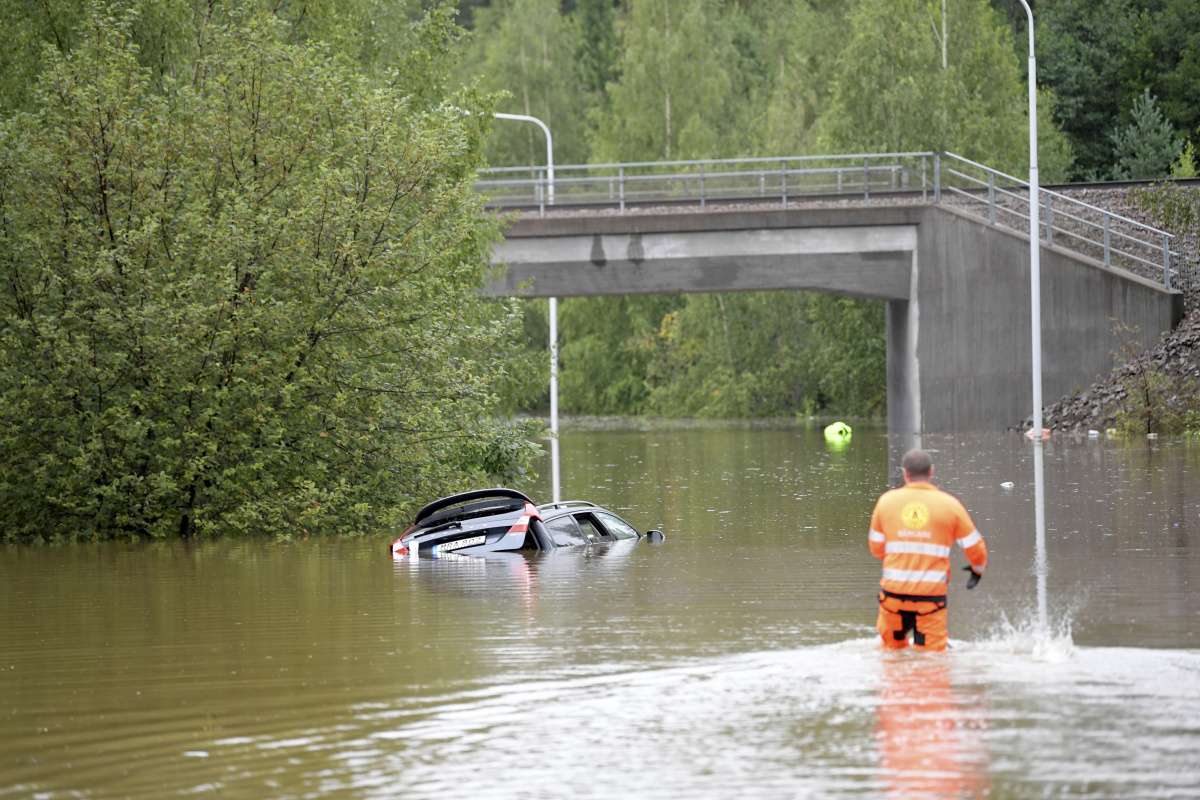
{"x": 738, "y": 658}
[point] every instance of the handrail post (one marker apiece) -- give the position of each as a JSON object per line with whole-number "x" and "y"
{"x": 541, "y": 193}
{"x": 866, "y": 181}
{"x": 924, "y": 187}
{"x": 621, "y": 187}
{"x": 783, "y": 182}
{"x": 838, "y": 171}
{"x": 702, "y": 186}
{"x": 1107, "y": 242}
{"x": 937, "y": 177}
{"x": 991, "y": 198}
{"x": 1166, "y": 248}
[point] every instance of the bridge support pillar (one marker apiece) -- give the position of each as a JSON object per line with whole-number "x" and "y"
{"x": 903, "y": 375}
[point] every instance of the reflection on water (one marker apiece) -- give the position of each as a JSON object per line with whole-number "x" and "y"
{"x": 1041, "y": 565}
{"x": 737, "y": 659}
{"x": 930, "y": 738}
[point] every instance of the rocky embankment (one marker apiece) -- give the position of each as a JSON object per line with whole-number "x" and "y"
{"x": 1177, "y": 358}
{"x": 1174, "y": 362}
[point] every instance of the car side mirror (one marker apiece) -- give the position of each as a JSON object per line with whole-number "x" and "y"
{"x": 655, "y": 537}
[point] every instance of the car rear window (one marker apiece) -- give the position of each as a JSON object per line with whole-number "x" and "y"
{"x": 474, "y": 510}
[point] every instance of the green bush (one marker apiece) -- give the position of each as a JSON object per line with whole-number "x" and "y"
{"x": 241, "y": 296}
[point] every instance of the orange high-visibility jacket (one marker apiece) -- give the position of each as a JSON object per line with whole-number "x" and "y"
{"x": 913, "y": 529}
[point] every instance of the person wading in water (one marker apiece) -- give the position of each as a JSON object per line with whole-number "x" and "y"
{"x": 913, "y": 529}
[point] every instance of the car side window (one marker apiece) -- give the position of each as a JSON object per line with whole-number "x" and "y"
{"x": 591, "y": 529}
{"x": 617, "y": 527}
{"x": 564, "y": 531}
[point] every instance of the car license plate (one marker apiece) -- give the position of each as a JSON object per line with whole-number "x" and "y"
{"x": 458, "y": 544}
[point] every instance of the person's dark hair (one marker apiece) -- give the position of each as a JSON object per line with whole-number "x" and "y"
{"x": 917, "y": 464}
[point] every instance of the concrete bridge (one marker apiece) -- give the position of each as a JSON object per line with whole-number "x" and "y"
{"x": 954, "y": 276}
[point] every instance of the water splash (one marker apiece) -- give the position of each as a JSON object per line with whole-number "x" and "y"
{"x": 1041, "y": 638}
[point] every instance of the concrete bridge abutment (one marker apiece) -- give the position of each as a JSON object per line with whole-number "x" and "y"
{"x": 957, "y": 292}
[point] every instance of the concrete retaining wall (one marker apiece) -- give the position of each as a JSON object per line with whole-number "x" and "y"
{"x": 973, "y": 351}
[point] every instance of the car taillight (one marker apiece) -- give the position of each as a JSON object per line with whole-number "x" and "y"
{"x": 399, "y": 549}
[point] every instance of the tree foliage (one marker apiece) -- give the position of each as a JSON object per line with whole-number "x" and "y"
{"x": 241, "y": 296}
{"x": 607, "y": 343}
{"x": 597, "y": 49}
{"x": 1100, "y": 56}
{"x": 680, "y": 90}
{"x": 526, "y": 48}
{"x": 892, "y": 93}
{"x": 796, "y": 54}
{"x": 1148, "y": 146}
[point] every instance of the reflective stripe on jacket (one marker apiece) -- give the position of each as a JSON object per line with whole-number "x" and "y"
{"x": 913, "y": 529}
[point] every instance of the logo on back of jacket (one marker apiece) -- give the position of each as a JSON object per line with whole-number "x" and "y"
{"x": 915, "y": 517}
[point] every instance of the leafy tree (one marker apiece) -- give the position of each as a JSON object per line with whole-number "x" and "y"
{"x": 680, "y": 94}
{"x": 1175, "y": 43}
{"x": 1148, "y": 145}
{"x": 244, "y": 302}
{"x": 597, "y": 50}
{"x": 848, "y": 355}
{"x": 1100, "y": 55}
{"x": 799, "y": 47}
{"x": 527, "y": 49}
{"x": 732, "y": 355}
{"x": 29, "y": 30}
{"x": 891, "y": 92}
{"x": 1083, "y": 48}
{"x": 377, "y": 35}
{"x": 524, "y": 383}
{"x": 1185, "y": 167}
{"x": 606, "y": 344}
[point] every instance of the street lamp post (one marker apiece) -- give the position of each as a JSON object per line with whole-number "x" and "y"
{"x": 1035, "y": 312}
{"x": 549, "y": 149}
{"x": 1035, "y": 268}
{"x": 554, "y": 470}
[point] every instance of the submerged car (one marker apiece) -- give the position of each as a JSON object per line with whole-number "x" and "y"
{"x": 498, "y": 520}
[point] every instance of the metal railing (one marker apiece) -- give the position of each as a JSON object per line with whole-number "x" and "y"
{"x": 1112, "y": 239}
{"x": 709, "y": 181}
{"x": 944, "y": 178}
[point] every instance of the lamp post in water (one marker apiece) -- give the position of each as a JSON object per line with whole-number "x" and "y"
{"x": 1035, "y": 329}
{"x": 554, "y": 471}
{"x": 1035, "y": 268}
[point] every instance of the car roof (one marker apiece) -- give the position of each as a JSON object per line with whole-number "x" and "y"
{"x": 566, "y": 505}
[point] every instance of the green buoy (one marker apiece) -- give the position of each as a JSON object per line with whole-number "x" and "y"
{"x": 838, "y": 433}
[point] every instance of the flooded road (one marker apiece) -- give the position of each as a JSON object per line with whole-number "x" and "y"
{"x": 736, "y": 659}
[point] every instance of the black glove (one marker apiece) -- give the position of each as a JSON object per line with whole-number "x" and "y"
{"x": 973, "y": 581}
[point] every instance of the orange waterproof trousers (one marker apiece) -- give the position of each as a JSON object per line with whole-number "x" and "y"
{"x": 924, "y": 620}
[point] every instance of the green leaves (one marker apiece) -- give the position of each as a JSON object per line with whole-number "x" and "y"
{"x": 525, "y": 49}
{"x": 242, "y": 303}
{"x": 893, "y": 94}
{"x": 679, "y": 88}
